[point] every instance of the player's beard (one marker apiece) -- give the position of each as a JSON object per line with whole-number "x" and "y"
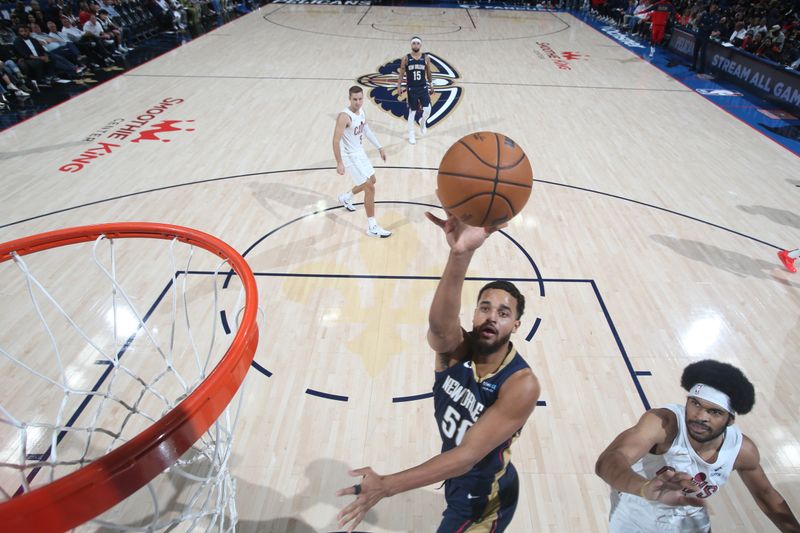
{"x": 704, "y": 437}
{"x": 483, "y": 347}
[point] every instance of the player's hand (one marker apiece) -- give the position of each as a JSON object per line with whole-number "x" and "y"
{"x": 461, "y": 237}
{"x": 668, "y": 486}
{"x": 430, "y": 91}
{"x": 340, "y": 168}
{"x": 383, "y": 154}
{"x": 401, "y": 90}
{"x": 372, "y": 491}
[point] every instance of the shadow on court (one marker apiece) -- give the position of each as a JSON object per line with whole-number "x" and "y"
{"x": 727, "y": 260}
{"x": 779, "y": 216}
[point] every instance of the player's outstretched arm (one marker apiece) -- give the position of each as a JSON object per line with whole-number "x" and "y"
{"x": 341, "y": 124}
{"x": 444, "y": 328}
{"x": 769, "y": 500}
{"x": 497, "y": 425}
{"x": 614, "y": 464}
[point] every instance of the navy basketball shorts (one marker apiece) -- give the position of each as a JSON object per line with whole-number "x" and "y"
{"x": 470, "y": 512}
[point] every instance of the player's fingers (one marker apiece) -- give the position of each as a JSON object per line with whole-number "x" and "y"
{"x": 346, "y": 491}
{"x": 436, "y": 220}
{"x": 695, "y": 502}
{"x": 361, "y": 471}
{"x": 344, "y": 514}
{"x": 356, "y": 521}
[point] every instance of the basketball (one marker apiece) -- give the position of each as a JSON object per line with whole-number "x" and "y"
{"x": 485, "y": 179}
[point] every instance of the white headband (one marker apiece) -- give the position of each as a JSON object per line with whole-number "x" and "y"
{"x": 416, "y": 39}
{"x": 710, "y": 394}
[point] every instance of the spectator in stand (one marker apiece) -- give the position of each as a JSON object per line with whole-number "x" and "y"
{"x": 759, "y": 25}
{"x": 37, "y": 63}
{"x": 768, "y": 50}
{"x": 777, "y": 36}
{"x": 89, "y": 44}
{"x": 94, "y": 27}
{"x": 111, "y": 29}
{"x": 753, "y": 45}
{"x": 56, "y": 45}
{"x": 84, "y": 13}
{"x": 738, "y": 35}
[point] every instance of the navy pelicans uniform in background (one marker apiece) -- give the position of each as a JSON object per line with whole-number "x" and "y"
{"x": 417, "y": 83}
{"x": 483, "y": 499}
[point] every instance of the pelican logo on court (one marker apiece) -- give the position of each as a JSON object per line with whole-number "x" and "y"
{"x": 445, "y": 98}
{"x": 159, "y": 129}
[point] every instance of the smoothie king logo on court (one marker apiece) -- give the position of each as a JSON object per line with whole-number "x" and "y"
{"x": 145, "y": 127}
{"x": 445, "y": 97}
{"x": 561, "y": 60}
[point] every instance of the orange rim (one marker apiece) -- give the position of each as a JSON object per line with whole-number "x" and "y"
{"x": 95, "y": 488}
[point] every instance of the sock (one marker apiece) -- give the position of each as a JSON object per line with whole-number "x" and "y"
{"x": 794, "y": 254}
{"x": 371, "y": 222}
{"x": 426, "y": 112}
{"x": 412, "y": 113}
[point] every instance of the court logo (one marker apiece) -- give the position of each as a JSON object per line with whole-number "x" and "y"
{"x": 159, "y": 129}
{"x": 562, "y": 60}
{"x": 122, "y": 131}
{"x": 446, "y": 94}
{"x": 718, "y": 92}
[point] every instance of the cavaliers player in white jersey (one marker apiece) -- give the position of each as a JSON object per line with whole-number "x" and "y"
{"x": 348, "y": 148}
{"x": 664, "y": 468}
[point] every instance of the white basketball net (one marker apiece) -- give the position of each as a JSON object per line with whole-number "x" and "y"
{"x": 86, "y": 364}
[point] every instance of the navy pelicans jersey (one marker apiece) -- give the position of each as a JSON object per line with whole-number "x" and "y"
{"x": 460, "y": 398}
{"x": 415, "y": 72}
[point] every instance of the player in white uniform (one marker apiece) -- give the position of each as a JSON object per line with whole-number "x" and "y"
{"x": 348, "y": 148}
{"x": 662, "y": 469}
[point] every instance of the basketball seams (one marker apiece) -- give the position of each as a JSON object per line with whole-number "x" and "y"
{"x": 479, "y": 158}
{"x": 520, "y": 160}
{"x": 465, "y": 200}
{"x": 481, "y": 178}
{"x": 496, "y": 180}
{"x": 464, "y": 178}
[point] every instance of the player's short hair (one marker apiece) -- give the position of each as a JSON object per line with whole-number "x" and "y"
{"x": 102, "y": 12}
{"x": 355, "y": 89}
{"x": 723, "y": 377}
{"x": 511, "y": 289}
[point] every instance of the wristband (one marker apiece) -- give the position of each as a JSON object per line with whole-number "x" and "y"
{"x": 641, "y": 491}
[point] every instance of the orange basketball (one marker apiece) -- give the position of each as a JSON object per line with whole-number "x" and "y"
{"x": 484, "y": 179}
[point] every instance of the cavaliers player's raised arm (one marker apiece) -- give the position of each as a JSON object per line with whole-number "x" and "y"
{"x": 769, "y": 500}
{"x": 655, "y": 427}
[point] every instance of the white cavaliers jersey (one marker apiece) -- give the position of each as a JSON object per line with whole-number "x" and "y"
{"x": 630, "y": 513}
{"x": 352, "y": 141}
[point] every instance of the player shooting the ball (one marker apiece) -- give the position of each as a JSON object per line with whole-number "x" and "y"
{"x": 484, "y": 392}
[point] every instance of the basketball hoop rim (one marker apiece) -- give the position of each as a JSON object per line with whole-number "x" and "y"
{"x": 80, "y": 496}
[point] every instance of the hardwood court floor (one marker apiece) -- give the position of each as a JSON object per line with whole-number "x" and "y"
{"x": 649, "y": 242}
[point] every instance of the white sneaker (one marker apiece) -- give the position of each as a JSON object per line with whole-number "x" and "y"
{"x": 652, "y": 51}
{"x": 411, "y": 139}
{"x": 346, "y": 203}
{"x": 378, "y": 231}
